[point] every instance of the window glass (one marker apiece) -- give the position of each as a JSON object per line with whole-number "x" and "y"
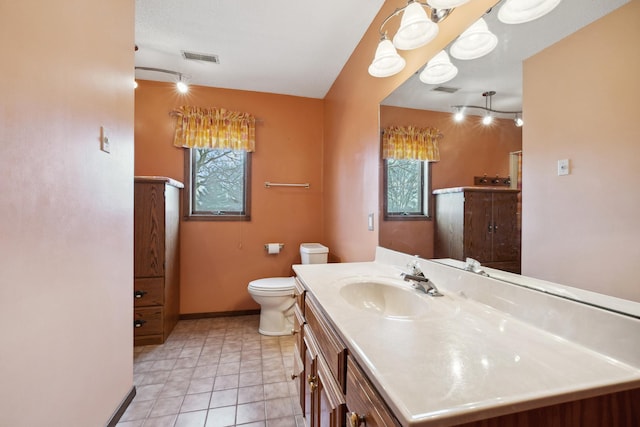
{"x": 406, "y": 187}
{"x": 218, "y": 182}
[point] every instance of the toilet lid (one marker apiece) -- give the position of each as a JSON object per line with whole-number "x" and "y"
{"x": 273, "y": 284}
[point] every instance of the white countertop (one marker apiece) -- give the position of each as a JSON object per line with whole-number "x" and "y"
{"x": 467, "y": 360}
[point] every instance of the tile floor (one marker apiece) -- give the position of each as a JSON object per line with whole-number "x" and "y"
{"x": 215, "y": 372}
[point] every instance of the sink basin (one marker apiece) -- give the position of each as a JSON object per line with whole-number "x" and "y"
{"x": 385, "y": 299}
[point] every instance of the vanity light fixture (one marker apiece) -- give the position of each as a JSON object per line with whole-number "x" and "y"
{"x": 475, "y": 42}
{"x": 488, "y": 109}
{"x": 181, "y": 85}
{"x": 438, "y": 70}
{"x": 417, "y": 28}
{"x": 520, "y": 11}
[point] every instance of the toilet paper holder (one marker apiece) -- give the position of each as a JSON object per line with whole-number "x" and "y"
{"x": 266, "y": 246}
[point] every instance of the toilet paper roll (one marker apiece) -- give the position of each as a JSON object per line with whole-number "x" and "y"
{"x": 273, "y": 248}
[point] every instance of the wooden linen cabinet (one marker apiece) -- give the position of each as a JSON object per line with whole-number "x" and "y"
{"x": 156, "y": 294}
{"x": 479, "y": 223}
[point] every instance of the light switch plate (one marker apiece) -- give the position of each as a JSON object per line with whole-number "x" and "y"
{"x": 105, "y": 144}
{"x": 563, "y": 167}
{"x": 370, "y": 222}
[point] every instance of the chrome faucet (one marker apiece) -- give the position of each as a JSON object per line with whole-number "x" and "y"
{"x": 423, "y": 284}
{"x": 474, "y": 266}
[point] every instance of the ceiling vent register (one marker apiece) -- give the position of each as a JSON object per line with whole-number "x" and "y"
{"x": 201, "y": 57}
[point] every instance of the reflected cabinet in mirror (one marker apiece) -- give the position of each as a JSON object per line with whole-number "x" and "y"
{"x": 572, "y": 163}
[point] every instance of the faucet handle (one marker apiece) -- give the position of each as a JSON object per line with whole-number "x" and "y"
{"x": 414, "y": 267}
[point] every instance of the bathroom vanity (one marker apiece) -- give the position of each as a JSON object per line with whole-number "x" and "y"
{"x": 373, "y": 351}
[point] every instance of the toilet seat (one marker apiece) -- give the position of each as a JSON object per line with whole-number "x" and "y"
{"x": 274, "y": 286}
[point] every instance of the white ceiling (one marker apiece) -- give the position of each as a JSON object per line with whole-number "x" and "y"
{"x": 292, "y": 47}
{"x": 298, "y": 47}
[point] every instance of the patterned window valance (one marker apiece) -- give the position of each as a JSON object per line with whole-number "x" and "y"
{"x": 198, "y": 127}
{"x": 408, "y": 142}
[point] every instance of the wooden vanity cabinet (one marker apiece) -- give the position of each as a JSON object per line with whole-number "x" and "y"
{"x": 333, "y": 390}
{"x": 322, "y": 357}
{"x": 365, "y": 407}
{"x": 156, "y": 293}
{"x": 479, "y": 223}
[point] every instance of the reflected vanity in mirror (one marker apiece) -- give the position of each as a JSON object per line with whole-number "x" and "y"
{"x": 469, "y": 149}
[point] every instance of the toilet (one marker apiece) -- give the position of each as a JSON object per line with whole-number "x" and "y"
{"x": 275, "y": 294}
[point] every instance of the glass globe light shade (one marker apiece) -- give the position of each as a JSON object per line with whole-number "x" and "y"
{"x": 438, "y": 70}
{"x": 520, "y": 11}
{"x": 446, "y": 4}
{"x": 416, "y": 28}
{"x": 386, "y": 61}
{"x": 474, "y": 42}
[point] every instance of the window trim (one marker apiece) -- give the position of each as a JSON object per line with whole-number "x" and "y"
{"x": 428, "y": 197}
{"x": 187, "y": 196}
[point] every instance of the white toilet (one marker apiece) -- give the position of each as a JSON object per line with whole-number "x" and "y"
{"x": 275, "y": 294}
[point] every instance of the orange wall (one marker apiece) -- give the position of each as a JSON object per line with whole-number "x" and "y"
{"x": 468, "y": 149}
{"x": 218, "y": 259}
{"x": 67, "y": 214}
{"x": 351, "y": 132}
{"x": 580, "y": 103}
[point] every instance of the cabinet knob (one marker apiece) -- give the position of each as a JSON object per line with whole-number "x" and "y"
{"x": 355, "y": 420}
{"x": 138, "y": 323}
{"x": 293, "y": 331}
{"x": 294, "y": 376}
{"x": 312, "y": 380}
{"x": 139, "y": 294}
{"x": 293, "y": 295}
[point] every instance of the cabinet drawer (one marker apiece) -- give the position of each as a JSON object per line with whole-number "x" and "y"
{"x": 331, "y": 347}
{"x": 148, "y": 291}
{"x": 364, "y": 405}
{"x": 298, "y": 321}
{"x": 147, "y": 321}
{"x": 298, "y": 293}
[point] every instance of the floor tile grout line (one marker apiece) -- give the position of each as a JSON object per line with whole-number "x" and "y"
{"x": 241, "y": 336}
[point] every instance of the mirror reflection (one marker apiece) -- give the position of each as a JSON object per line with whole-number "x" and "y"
{"x": 471, "y": 151}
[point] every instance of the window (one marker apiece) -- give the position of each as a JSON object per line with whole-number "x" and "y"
{"x": 406, "y": 189}
{"x": 218, "y": 184}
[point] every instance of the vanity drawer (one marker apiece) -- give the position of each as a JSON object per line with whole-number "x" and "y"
{"x": 364, "y": 404}
{"x": 147, "y": 321}
{"x": 298, "y": 294}
{"x": 148, "y": 291}
{"x": 330, "y": 345}
{"x": 298, "y": 321}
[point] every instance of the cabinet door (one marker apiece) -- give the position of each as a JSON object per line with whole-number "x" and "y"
{"x": 478, "y": 226}
{"x": 331, "y": 407}
{"x": 149, "y": 229}
{"x": 364, "y": 406}
{"x": 309, "y": 380}
{"x": 505, "y": 227}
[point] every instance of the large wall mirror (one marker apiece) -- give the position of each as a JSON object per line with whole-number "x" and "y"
{"x": 470, "y": 149}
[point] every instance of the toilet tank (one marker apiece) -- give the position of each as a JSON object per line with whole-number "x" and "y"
{"x": 313, "y": 253}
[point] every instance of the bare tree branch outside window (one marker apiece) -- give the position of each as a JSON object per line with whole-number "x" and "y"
{"x": 405, "y": 189}
{"x": 218, "y": 181}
